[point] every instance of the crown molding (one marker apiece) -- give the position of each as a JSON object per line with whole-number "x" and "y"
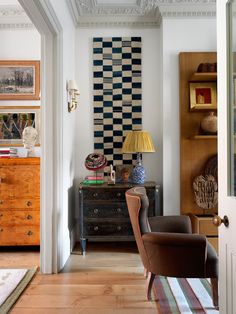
{"x": 142, "y": 13}
{"x": 14, "y": 17}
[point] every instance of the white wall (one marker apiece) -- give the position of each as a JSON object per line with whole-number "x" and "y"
{"x": 178, "y": 35}
{"x": 68, "y": 132}
{"x": 20, "y": 44}
{"x": 151, "y": 103}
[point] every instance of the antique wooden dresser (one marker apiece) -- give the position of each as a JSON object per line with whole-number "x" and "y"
{"x": 19, "y": 201}
{"x": 103, "y": 212}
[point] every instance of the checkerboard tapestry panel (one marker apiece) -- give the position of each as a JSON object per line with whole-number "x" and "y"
{"x": 117, "y": 95}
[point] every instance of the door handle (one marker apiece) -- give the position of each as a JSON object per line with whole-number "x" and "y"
{"x": 217, "y": 221}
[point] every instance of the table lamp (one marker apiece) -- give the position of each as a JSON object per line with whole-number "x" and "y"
{"x": 138, "y": 142}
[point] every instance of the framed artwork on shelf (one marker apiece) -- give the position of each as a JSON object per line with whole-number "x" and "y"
{"x": 19, "y": 80}
{"x": 202, "y": 95}
{"x": 14, "y": 119}
{"x": 124, "y": 173}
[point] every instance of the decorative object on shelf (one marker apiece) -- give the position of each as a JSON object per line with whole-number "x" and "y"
{"x": 207, "y": 67}
{"x": 14, "y": 119}
{"x": 112, "y": 178}
{"x": 29, "y": 137}
{"x": 202, "y": 95}
{"x": 209, "y": 124}
{"x": 73, "y": 92}
{"x": 124, "y": 173}
{"x": 205, "y": 192}
{"x": 95, "y": 162}
{"x": 211, "y": 167}
{"x": 19, "y": 80}
{"x": 117, "y": 94}
{"x": 138, "y": 142}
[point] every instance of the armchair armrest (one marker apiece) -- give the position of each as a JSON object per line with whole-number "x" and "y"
{"x": 177, "y": 224}
{"x": 176, "y": 255}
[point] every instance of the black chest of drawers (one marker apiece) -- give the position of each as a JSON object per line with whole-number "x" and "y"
{"x": 104, "y": 215}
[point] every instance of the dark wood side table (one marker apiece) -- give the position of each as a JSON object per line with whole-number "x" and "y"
{"x": 104, "y": 215}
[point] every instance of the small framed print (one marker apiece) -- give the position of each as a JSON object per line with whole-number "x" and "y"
{"x": 19, "y": 80}
{"x": 13, "y": 120}
{"x": 202, "y": 96}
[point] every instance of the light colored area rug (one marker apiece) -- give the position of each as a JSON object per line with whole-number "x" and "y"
{"x": 180, "y": 295}
{"x": 12, "y": 284}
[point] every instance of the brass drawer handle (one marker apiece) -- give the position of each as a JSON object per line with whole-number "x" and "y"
{"x": 30, "y": 233}
{"x": 95, "y": 210}
{"x": 119, "y": 210}
{"x": 29, "y": 217}
{"x": 1, "y": 202}
{"x": 95, "y": 194}
{"x": 1, "y": 215}
{"x": 95, "y": 228}
{"x": 1, "y": 230}
{"x": 119, "y": 228}
{"x": 118, "y": 194}
{"x": 29, "y": 203}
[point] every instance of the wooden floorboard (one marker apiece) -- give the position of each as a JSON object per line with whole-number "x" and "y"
{"x": 109, "y": 279}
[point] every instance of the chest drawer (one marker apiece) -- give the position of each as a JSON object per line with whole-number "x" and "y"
{"x": 203, "y": 225}
{"x": 104, "y": 194}
{"x": 20, "y": 218}
{"x": 20, "y": 203}
{"x": 104, "y": 210}
{"x": 20, "y": 235}
{"x": 108, "y": 229}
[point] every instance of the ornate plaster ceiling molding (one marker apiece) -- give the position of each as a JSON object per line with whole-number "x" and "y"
{"x": 89, "y": 13}
{"x": 14, "y": 17}
{"x": 187, "y": 8}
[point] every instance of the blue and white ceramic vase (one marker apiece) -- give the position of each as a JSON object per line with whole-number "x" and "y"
{"x": 138, "y": 173}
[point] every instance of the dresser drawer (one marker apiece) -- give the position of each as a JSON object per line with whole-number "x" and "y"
{"x": 107, "y": 229}
{"x": 20, "y": 235}
{"x": 105, "y": 210}
{"x": 20, "y": 203}
{"x": 204, "y": 225}
{"x": 25, "y": 218}
{"x": 104, "y": 194}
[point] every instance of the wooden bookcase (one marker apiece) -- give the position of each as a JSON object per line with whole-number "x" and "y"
{"x": 195, "y": 149}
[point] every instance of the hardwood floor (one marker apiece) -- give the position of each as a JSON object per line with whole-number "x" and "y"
{"x": 109, "y": 279}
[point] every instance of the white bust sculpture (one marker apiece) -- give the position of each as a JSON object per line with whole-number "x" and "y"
{"x": 29, "y": 137}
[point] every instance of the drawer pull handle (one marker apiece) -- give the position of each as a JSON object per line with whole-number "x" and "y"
{"x": 1, "y": 202}
{"x": 30, "y": 233}
{"x": 95, "y": 228}
{"x": 119, "y": 228}
{"x": 118, "y": 194}
{"x": 29, "y": 203}
{"x": 95, "y": 194}
{"x": 95, "y": 210}
{"x": 119, "y": 210}
{"x": 1, "y": 215}
{"x": 1, "y": 230}
{"x": 29, "y": 217}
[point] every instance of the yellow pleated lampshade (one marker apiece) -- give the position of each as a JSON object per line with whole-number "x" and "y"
{"x": 138, "y": 142}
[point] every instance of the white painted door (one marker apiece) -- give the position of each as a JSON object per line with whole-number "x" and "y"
{"x": 226, "y": 63}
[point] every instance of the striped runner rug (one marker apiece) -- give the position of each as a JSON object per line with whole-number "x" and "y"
{"x": 181, "y": 295}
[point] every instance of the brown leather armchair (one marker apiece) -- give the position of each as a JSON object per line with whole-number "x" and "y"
{"x": 167, "y": 246}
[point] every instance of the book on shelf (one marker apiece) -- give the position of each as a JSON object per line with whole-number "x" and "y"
{"x": 94, "y": 177}
{"x": 93, "y": 181}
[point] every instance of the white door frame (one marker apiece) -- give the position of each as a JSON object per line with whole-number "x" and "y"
{"x": 44, "y": 18}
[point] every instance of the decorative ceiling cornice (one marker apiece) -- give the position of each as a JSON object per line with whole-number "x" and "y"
{"x": 14, "y": 17}
{"x": 92, "y": 13}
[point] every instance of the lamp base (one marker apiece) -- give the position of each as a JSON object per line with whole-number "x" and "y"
{"x": 138, "y": 174}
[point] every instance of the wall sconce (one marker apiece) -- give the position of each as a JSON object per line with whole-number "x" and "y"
{"x": 73, "y": 92}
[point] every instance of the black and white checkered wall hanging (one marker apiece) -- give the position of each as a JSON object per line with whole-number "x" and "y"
{"x": 117, "y": 95}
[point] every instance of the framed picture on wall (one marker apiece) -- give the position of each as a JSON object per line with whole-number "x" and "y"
{"x": 202, "y": 95}
{"x": 14, "y": 119}
{"x": 19, "y": 80}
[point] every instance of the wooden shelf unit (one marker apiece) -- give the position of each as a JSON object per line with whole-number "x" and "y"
{"x": 203, "y": 77}
{"x": 195, "y": 150}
